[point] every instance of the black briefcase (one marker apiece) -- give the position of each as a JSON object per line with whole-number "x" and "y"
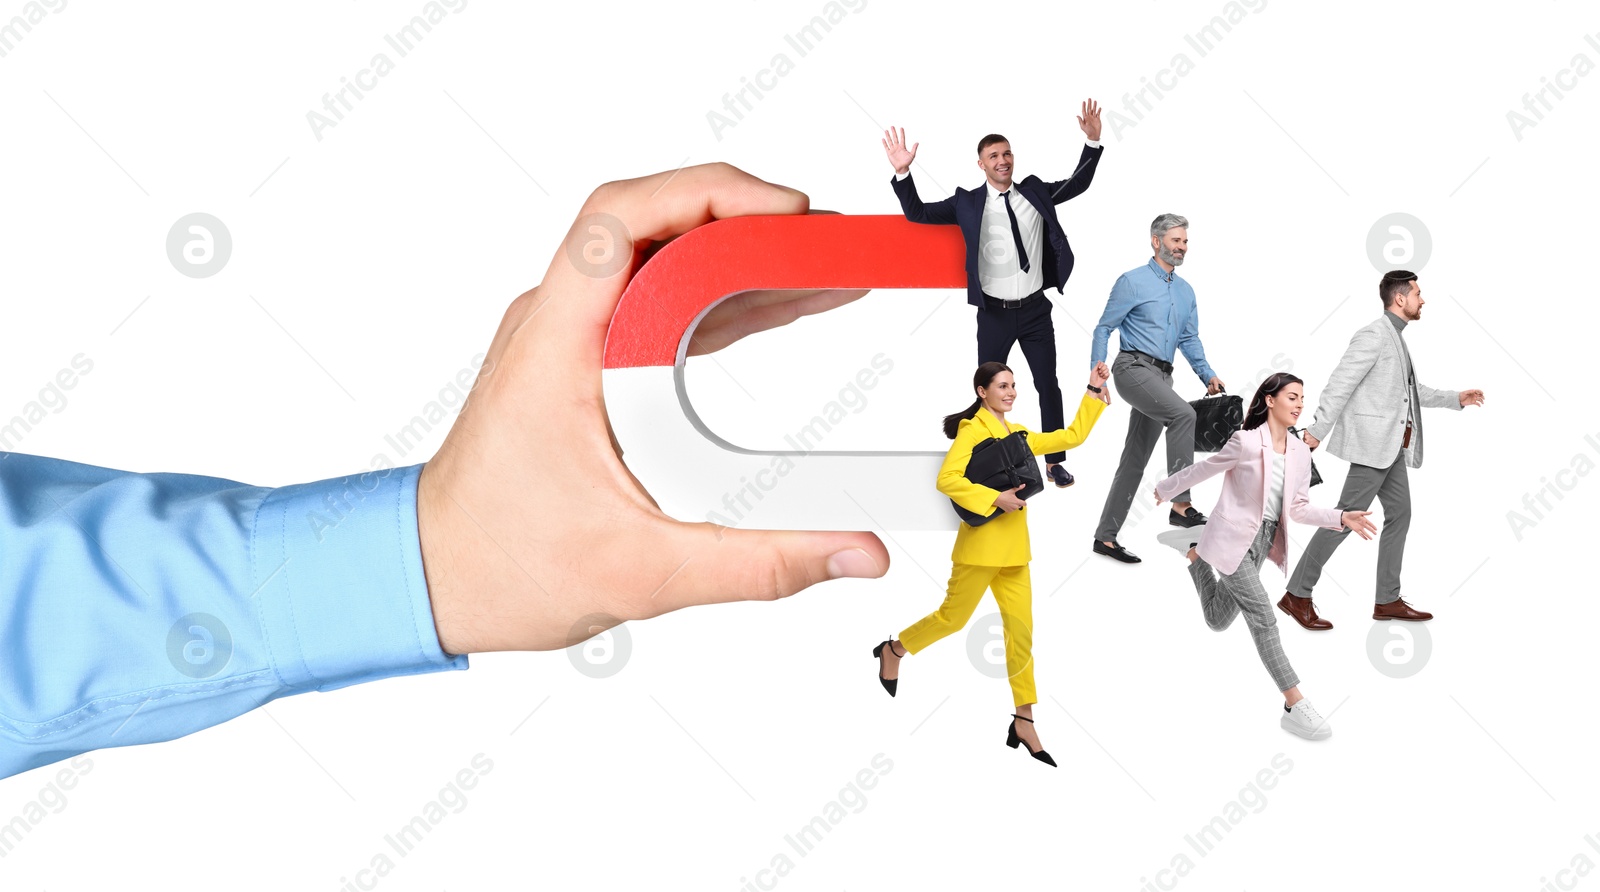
{"x": 1002, "y": 463}
{"x": 1315, "y": 477}
{"x": 1216, "y": 419}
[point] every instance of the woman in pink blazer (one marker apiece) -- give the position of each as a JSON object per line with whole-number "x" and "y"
{"x": 1268, "y": 475}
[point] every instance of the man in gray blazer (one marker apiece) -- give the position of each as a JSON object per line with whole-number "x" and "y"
{"x": 1371, "y": 406}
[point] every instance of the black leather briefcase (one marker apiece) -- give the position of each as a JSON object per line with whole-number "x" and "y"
{"x": 1315, "y": 477}
{"x": 1002, "y": 463}
{"x": 1216, "y": 419}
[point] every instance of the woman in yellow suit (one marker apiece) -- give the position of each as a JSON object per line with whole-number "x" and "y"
{"x": 995, "y": 555}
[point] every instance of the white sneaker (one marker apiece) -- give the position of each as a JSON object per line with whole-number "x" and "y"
{"x": 1179, "y": 540}
{"x": 1303, "y": 720}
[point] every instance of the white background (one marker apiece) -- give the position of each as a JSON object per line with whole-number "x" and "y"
{"x": 371, "y": 265}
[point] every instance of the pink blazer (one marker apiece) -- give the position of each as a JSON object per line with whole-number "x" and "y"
{"x": 1233, "y": 523}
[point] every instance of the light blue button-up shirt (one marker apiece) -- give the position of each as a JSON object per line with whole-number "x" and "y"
{"x": 137, "y": 608}
{"x": 1156, "y": 313}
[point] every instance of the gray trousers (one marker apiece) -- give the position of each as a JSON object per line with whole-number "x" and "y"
{"x": 1391, "y": 487}
{"x": 1154, "y": 406}
{"x": 1224, "y": 597}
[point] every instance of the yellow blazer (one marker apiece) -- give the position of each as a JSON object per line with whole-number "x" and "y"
{"x": 1003, "y": 541}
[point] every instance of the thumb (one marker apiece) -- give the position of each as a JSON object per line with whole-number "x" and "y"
{"x": 726, "y": 564}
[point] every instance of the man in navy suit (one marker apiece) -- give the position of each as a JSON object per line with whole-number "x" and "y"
{"x": 1015, "y": 249}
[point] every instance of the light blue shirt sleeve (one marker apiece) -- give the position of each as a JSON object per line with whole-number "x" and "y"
{"x": 1117, "y": 306}
{"x": 137, "y": 608}
{"x": 1189, "y": 343}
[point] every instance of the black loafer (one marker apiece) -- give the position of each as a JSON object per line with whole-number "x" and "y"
{"x": 1191, "y": 517}
{"x": 1116, "y": 551}
{"x": 1060, "y": 476}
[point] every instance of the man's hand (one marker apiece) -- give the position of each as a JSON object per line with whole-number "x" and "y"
{"x": 894, "y": 145}
{"x": 1157, "y": 494}
{"x": 1470, "y": 398}
{"x": 1215, "y": 386}
{"x": 535, "y": 535}
{"x": 1089, "y": 120}
{"x": 1098, "y": 376}
{"x": 1310, "y": 441}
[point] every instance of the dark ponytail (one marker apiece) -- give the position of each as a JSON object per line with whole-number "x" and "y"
{"x": 1275, "y": 383}
{"x": 982, "y": 378}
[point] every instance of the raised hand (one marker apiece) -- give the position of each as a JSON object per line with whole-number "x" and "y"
{"x": 1089, "y": 120}
{"x": 894, "y": 145}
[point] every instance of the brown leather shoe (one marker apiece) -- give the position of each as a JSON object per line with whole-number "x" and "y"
{"x": 1303, "y": 612}
{"x": 1399, "y": 609}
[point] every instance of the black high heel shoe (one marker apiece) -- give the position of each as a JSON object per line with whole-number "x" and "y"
{"x": 889, "y": 684}
{"x": 1012, "y": 740}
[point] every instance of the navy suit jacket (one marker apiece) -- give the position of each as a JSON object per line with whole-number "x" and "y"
{"x": 965, "y": 209}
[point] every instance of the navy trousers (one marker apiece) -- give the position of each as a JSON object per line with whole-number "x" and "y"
{"x": 1029, "y": 325}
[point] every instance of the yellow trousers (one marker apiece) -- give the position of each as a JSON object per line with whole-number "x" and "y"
{"x": 1013, "y": 593}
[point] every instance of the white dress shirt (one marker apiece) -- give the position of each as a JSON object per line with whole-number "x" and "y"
{"x": 1000, "y": 272}
{"x": 1275, "y": 489}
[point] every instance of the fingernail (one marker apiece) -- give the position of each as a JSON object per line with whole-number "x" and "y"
{"x": 853, "y": 562}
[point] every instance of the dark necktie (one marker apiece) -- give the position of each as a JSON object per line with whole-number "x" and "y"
{"x": 1016, "y": 231}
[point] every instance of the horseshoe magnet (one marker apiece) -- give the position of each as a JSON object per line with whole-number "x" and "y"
{"x": 696, "y": 474}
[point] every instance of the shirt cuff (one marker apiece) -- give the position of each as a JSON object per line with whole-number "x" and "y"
{"x": 901, "y": 176}
{"x": 346, "y": 600}
{"x": 1092, "y": 143}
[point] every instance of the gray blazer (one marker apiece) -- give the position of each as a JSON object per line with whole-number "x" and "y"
{"x": 1365, "y": 402}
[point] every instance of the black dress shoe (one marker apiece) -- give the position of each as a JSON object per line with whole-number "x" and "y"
{"x": 1191, "y": 517}
{"x": 1012, "y": 740}
{"x": 889, "y": 684}
{"x": 1115, "y": 550}
{"x": 1060, "y": 476}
